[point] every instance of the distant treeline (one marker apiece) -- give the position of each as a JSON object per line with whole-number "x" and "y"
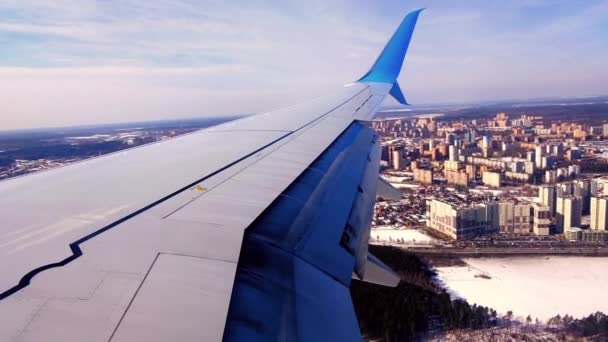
{"x": 65, "y": 150}
{"x": 416, "y": 306}
{"x": 584, "y": 111}
{"x": 53, "y": 143}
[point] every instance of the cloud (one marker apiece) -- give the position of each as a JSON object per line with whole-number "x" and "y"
{"x": 101, "y": 61}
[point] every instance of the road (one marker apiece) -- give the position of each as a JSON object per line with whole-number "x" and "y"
{"x": 510, "y": 251}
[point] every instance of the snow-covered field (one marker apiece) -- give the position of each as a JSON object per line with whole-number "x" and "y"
{"x": 538, "y": 286}
{"x": 405, "y": 236}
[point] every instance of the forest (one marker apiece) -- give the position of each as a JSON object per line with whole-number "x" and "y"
{"x": 415, "y": 308}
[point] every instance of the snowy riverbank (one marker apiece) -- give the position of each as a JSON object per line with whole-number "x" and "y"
{"x": 538, "y": 286}
{"x": 407, "y": 237}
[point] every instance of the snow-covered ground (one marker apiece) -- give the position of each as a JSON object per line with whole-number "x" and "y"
{"x": 397, "y": 182}
{"x": 410, "y": 237}
{"x": 405, "y": 186}
{"x": 538, "y": 286}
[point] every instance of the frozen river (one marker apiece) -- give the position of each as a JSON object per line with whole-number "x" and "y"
{"x": 538, "y": 286}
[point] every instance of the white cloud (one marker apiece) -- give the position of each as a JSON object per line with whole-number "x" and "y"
{"x": 104, "y": 61}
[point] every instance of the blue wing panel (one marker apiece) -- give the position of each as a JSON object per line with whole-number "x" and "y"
{"x": 279, "y": 297}
{"x": 298, "y": 257}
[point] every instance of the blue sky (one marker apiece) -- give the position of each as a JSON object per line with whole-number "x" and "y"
{"x": 67, "y": 62}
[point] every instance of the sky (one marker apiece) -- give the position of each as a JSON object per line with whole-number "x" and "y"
{"x": 74, "y": 62}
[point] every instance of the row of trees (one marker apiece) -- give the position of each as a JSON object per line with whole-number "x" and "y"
{"x": 593, "y": 325}
{"x": 416, "y": 306}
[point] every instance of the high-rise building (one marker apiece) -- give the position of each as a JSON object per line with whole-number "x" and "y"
{"x": 397, "y": 159}
{"x": 530, "y": 156}
{"x": 599, "y": 213}
{"x": 492, "y": 179}
{"x": 456, "y": 177}
{"x": 541, "y": 219}
{"x": 546, "y": 162}
{"x": 529, "y": 167}
{"x": 470, "y": 136}
{"x": 595, "y": 185}
{"x": 579, "y": 134}
{"x": 451, "y": 165}
{"x": 568, "y": 212}
{"x": 574, "y": 170}
{"x": 562, "y": 173}
{"x": 443, "y": 150}
{"x": 565, "y": 188}
{"x": 486, "y": 142}
{"x": 539, "y": 152}
{"x": 548, "y": 195}
{"x": 582, "y": 188}
{"x": 423, "y": 176}
{"x": 514, "y": 217}
{"x": 557, "y": 150}
{"x": 453, "y": 153}
{"x": 596, "y": 130}
{"x": 462, "y": 221}
{"x": 450, "y": 138}
{"x": 550, "y": 176}
{"x": 471, "y": 171}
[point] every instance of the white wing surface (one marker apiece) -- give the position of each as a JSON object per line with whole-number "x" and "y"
{"x": 149, "y": 244}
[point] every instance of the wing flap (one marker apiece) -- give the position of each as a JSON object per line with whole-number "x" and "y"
{"x": 376, "y": 272}
{"x": 386, "y": 190}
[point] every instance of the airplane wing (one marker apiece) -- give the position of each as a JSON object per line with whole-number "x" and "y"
{"x": 250, "y": 230}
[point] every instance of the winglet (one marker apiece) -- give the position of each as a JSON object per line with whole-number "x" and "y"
{"x": 388, "y": 65}
{"x": 398, "y": 94}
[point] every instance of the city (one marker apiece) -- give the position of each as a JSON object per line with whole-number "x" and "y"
{"x": 317, "y": 170}
{"x": 498, "y": 201}
{"x": 464, "y": 179}
{"x": 505, "y": 188}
